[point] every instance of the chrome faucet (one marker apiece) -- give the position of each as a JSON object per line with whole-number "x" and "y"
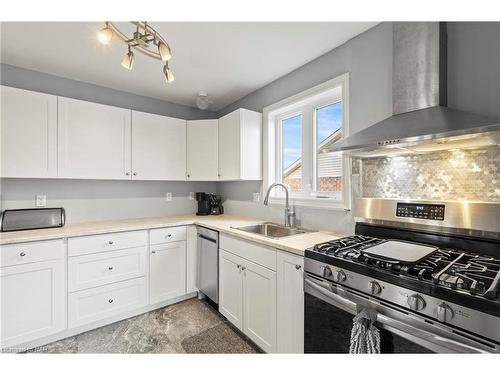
{"x": 289, "y": 214}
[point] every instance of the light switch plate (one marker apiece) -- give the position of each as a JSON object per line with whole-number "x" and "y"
{"x": 40, "y": 201}
{"x": 169, "y": 197}
{"x": 191, "y": 195}
{"x": 256, "y": 197}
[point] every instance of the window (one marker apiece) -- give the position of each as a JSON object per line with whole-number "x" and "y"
{"x": 291, "y": 152}
{"x": 300, "y": 132}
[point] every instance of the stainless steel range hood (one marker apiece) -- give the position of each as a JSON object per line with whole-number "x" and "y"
{"x": 421, "y": 120}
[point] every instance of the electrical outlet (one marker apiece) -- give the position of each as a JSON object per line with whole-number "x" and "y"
{"x": 191, "y": 195}
{"x": 40, "y": 201}
{"x": 256, "y": 197}
{"x": 169, "y": 197}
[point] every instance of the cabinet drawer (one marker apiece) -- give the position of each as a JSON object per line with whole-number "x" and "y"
{"x": 171, "y": 234}
{"x": 87, "y": 271}
{"x": 263, "y": 255}
{"x": 106, "y": 242}
{"x": 30, "y": 252}
{"x": 94, "y": 304}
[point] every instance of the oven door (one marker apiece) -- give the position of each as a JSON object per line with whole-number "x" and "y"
{"x": 330, "y": 308}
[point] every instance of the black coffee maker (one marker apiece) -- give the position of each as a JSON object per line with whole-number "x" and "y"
{"x": 209, "y": 204}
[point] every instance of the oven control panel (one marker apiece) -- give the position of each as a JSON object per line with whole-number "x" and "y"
{"x": 420, "y": 211}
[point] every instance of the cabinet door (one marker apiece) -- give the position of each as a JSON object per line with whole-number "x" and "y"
{"x": 259, "y": 305}
{"x": 290, "y": 303}
{"x": 229, "y": 146}
{"x": 202, "y": 150}
{"x": 158, "y": 147}
{"x": 231, "y": 288}
{"x": 33, "y": 301}
{"x": 28, "y": 133}
{"x": 93, "y": 140}
{"x": 167, "y": 271}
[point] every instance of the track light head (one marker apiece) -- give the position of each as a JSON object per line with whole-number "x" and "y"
{"x": 169, "y": 76}
{"x": 105, "y": 35}
{"x": 128, "y": 60}
{"x": 164, "y": 51}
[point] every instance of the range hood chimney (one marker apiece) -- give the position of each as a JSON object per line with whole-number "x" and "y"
{"x": 421, "y": 120}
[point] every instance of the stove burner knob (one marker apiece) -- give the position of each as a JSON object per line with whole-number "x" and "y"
{"x": 374, "y": 287}
{"x": 416, "y": 302}
{"x": 444, "y": 313}
{"x": 326, "y": 271}
{"x": 339, "y": 276}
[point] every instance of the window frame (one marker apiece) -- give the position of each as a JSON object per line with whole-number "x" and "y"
{"x": 306, "y": 103}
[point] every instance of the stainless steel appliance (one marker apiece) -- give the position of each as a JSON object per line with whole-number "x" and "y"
{"x": 208, "y": 264}
{"x": 32, "y": 218}
{"x": 438, "y": 291}
{"x": 421, "y": 119}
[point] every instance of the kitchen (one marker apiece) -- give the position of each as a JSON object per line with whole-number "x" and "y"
{"x": 346, "y": 201}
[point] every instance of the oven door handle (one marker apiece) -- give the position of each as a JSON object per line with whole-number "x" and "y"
{"x": 325, "y": 289}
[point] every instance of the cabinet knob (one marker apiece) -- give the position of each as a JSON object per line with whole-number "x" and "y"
{"x": 110, "y": 300}
{"x": 218, "y": 174}
{"x": 110, "y": 268}
{"x": 168, "y": 236}
{"x": 127, "y": 173}
{"x": 243, "y": 268}
{"x": 22, "y": 253}
{"x": 298, "y": 266}
{"x": 188, "y": 175}
{"x": 153, "y": 252}
{"x": 110, "y": 242}
{"x": 238, "y": 266}
{"x": 135, "y": 173}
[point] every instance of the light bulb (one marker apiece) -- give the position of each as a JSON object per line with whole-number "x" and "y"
{"x": 105, "y": 35}
{"x": 169, "y": 76}
{"x": 164, "y": 51}
{"x": 202, "y": 101}
{"x": 128, "y": 60}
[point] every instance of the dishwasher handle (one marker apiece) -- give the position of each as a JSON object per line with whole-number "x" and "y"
{"x": 207, "y": 238}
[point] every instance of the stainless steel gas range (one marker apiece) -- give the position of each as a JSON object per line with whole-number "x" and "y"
{"x": 428, "y": 272}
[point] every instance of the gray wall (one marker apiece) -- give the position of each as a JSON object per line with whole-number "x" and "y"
{"x": 32, "y": 80}
{"x": 89, "y": 200}
{"x": 473, "y": 85}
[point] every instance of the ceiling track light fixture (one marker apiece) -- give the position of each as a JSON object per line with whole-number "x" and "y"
{"x": 145, "y": 39}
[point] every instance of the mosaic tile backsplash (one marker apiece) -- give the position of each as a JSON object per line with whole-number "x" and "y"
{"x": 443, "y": 175}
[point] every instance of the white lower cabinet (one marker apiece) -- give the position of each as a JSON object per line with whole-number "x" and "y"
{"x": 231, "y": 288}
{"x": 248, "y": 298}
{"x": 91, "y": 305}
{"x": 290, "y": 310}
{"x": 33, "y": 301}
{"x": 167, "y": 271}
{"x": 259, "y": 305}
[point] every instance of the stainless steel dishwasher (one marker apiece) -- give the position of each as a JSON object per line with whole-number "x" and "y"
{"x": 208, "y": 264}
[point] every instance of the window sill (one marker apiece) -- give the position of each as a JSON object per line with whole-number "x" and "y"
{"x": 318, "y": 203}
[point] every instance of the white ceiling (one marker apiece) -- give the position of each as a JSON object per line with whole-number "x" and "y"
{"x": 226, "y": 59}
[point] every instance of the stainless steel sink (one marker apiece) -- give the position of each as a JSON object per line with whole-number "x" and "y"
{"x": 271, "y": 230}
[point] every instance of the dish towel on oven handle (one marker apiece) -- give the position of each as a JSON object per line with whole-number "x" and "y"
{"x": 365, "y": 337}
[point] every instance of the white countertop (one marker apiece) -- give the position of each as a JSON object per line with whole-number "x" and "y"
{"x": 223, "y": 223}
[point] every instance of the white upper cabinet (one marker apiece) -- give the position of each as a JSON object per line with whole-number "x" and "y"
{"x": 240, "y": 146}
{"x": 93, "y": 140}
{"x": 158, "y": 147}
{"x": 202, "y": 150}
{"x": 28, "y": 133}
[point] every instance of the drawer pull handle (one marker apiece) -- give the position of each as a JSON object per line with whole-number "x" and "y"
{"x": 110, "y": 300}
{"x": 110, "y": 268}
{"x": 168, "y": 236}
{"x": 298, "y": 266}
{"x": 111, "y": 242}
{"x": 22, "y": 253}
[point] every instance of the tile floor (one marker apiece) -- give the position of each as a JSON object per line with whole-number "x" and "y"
{"x": 187, "y": 327}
